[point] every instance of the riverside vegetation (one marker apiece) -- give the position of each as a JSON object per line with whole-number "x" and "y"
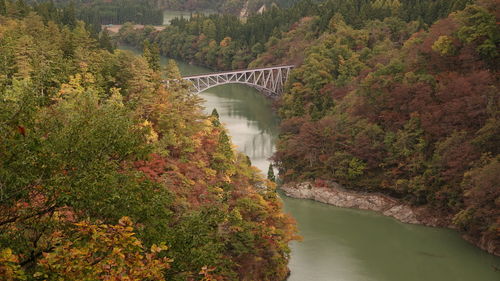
{"x": 396, "y": 97}
{"x": 105, "y": 174}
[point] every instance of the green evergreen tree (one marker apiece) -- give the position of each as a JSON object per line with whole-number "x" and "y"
{"x": 146, "y": 50}
{"x": 151, "y": 53}
{"x": 249, "y": 162}
{"x": 257, "y": 48}
{"x": 215, "y": 113}
{"x": 270, "y": 173}
{"x": 105, "y": 41}
{"x": 215, "y": 118}
{"x": 69, "y": 15}
{"x": 22, "y": 9}
{"x": 154, "y": 61}
{"x": 223, "y": 156}
{"x": 3, "y": 8}
{"x": 172, "y": 71}
{"x": 209, "y": 29}
{"x": 224, "y": 146}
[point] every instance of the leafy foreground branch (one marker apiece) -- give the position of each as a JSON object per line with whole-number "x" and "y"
{"x": 94, "y": 252}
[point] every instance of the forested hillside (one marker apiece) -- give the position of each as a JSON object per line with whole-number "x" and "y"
{"x": 92, "y": 12}
{"x": 234, "y": 7}
{"x": 105, "y": 174}
{"x": 226, "y": 42}
{"x": 407, "y": 112}
{"x": 119, "y": 11}
{"x": 398, "y": 97}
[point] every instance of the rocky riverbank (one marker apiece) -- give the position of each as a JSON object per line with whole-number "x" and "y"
{"x": 334, "y": 194}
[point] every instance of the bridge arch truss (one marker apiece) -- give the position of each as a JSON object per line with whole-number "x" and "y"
{"x": 269, "y": 80}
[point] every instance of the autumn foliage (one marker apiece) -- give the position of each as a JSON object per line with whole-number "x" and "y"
{"x": 106, "y": 174}
{"x": 407, "y": 112}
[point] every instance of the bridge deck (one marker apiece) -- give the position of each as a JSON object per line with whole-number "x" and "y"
{"x": 239, "y": 71}
{"x": 269, "y": 80}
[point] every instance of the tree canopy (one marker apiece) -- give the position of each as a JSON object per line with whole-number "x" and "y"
{"x": 106, "y": 173}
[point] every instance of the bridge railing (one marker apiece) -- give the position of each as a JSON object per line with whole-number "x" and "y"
{"x": 239, "y": 71}
{"x": 268, "y": 80}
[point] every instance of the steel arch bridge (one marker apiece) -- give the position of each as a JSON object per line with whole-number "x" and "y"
{"x": 269, "y": 80}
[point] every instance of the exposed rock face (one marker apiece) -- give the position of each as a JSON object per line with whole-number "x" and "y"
{"x": 337, "y": 196}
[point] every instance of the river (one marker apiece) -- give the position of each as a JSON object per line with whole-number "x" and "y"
{"x": 345, "y": 244}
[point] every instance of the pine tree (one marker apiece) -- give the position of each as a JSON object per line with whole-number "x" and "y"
{"x": 215, "y": 118}
{"x": 249, "y": 162}
{"x": 69, "y": 15}
{"x": 270, "y": 173}
{"x": 3, "y": 8}
{"x": 223, "y": 156}
{"x": 105, "y": 41}
{"x": 224, "y": 146}
{"x": 172, "y": 71}
{"x": 209, "y": 29}
{"x": 154, "y": 61}
{"x": 257, "y": 48}
{"x": 215, "y": 113}
{"x": 151, "y": 53}
{"x": 22, "y": 9}
{"x": 146, "y": 50}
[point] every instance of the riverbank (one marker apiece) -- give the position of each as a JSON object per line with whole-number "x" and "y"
{"x": 115, "y": 28}
{"x": 343, "y": 243}
{"x": 334, "y": 194}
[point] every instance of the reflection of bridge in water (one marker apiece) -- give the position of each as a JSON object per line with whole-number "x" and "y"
{"x": 269, "y": 80}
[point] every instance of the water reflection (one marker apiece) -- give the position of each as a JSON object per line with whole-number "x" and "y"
{"x": 245, "y": 112}
{"x": 246, "y": 103}
{"x": 346, "y": 244}
{"x": 248, "y": 117}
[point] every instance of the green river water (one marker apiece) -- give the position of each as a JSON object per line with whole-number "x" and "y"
{"x": 345, "y": 244}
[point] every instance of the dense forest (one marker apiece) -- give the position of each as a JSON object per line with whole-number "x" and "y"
{"x": 92, "y": 12}
{"x": 226, "y": 42}
{"x": 119, "y": 11}
{"x": 397, "y": 97}
{"x": 105, "y": 174}
{"x": 395, "y": 109}
{"x": 234, "y": 7}
{"x": 407, "y": 112}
